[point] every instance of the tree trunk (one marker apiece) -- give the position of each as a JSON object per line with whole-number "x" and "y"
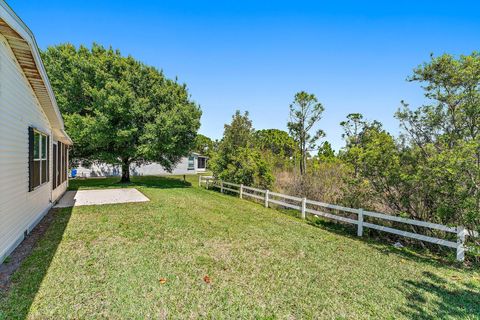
{"x": 125, "y": 171}
{"x": 302, "y": 164}
{"x": 303, "y": 160}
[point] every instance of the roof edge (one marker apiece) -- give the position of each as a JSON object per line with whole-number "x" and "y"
{"x": 22, "y": 29}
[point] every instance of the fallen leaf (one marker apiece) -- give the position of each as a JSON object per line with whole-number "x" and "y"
{"x": 162, "y": 280}
{"x": 206, "y": 279}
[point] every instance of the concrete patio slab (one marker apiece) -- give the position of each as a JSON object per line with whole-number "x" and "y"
{"x": 98, "y": 197}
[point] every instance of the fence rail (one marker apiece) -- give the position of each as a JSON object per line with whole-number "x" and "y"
{"x": 305, "y": 206}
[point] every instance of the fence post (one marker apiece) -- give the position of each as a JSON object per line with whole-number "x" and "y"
{"x": 206, "y": 182}
{"x": 304, "y": 208}
{"x": 221, "y": 186}
{"x": 360, "y": 223}
{"x": 199, "y": 180}
{"x": 461, "y": 243}
{"x": 241, "y": 191}
{"x": 266, "y": 198}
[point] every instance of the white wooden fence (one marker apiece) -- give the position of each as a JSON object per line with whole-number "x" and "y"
{"x": 317, "y": 208}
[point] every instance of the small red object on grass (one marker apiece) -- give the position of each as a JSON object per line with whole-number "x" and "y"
{"x": 206, "y": 279}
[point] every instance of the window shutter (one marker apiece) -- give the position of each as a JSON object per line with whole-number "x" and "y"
{"x": 30, "y": 158}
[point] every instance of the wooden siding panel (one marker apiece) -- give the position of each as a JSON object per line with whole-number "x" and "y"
{"x": 24, "y": 49}
{"x": 19, "y": 109}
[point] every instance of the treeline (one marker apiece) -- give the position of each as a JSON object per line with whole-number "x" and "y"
{"x": 430, "y": 172}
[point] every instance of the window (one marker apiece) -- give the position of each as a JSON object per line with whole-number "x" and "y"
{"x": 60, "y": 167}
{"x": 55, "y": 166}
{"x": 202, "y": 162}
{"x": 39, "y": 154}
{"x": 191, "y": 163}
{"x": 65, "y": 163}
{"x": 59, "y": 163}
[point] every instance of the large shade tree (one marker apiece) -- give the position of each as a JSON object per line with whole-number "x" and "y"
{"x": 118, "y": 110}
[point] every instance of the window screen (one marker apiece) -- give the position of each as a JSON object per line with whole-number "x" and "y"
{"x": 201, "y": 163}
{"x": 191, "y": 163}
{"x": 38, "y": 158}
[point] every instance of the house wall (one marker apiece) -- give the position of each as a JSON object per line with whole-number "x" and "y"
{"x": 152, "y": 169}
{"x": 99, "y": 170}
{"x": 58, "y": 192}
{"x": 20, "y": 209}
{"x": 156, "y": 169}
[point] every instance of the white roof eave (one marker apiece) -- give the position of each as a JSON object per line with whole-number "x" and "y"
{"x": 10, "y": 17}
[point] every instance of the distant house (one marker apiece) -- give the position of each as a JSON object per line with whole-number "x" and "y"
{"x": 33, "y": 144}
{"x": 193, "y": 164}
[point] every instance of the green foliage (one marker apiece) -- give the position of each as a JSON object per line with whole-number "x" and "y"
{"x": 238, "y": 133}
{"x": 276, "y": 146}
{"x": 276, "y": 141}
{"x": 355, "y": 128}
{"x": 444, "y": 137}
{"x": 305, "y": 112}
{"x": 326, "y": 152}
{"x": 237, "y": 160}
{"x": 247, "y": 166}
{"x": 432, "y": 172}
{"x": 372, "y": 156}
{"x": 204, "y": 145}
{"x": 118, "y": 110}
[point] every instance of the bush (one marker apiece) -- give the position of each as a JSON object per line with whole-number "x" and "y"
{"x": 245, "y": 166}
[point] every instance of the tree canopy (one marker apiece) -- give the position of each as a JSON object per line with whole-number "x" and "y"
{"x": 276, "y": 146}
{"x": 305, "y": 112}
{"x": 326, "y": 152}
{"x": 118, "y": 110}
{"x": 204, "y": 145}
{"x": 237, "y": 159}
{"x": 432, "y": 171}
{"x": 443, "y": 137}
{"x": 276, "y": 141}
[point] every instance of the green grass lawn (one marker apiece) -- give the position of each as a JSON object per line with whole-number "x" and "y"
{"x": 109, "y": 261}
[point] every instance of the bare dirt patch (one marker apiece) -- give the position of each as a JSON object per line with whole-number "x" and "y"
{"x": 15, "y": 259}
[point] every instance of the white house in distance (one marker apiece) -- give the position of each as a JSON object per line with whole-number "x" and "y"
{"x": 33, "y": 144}
{"x": 193, "y": 164}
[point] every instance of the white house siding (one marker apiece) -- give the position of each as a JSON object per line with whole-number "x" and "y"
{"x": 99, "y": 170}
{"x": 156, "y": 169}
{"x": 59, "y": 190}
{"x": 152, "y": 169}
{"x": 20, "y": 210}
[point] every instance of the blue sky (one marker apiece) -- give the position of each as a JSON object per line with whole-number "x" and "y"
{"x": 255, "y": 55}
